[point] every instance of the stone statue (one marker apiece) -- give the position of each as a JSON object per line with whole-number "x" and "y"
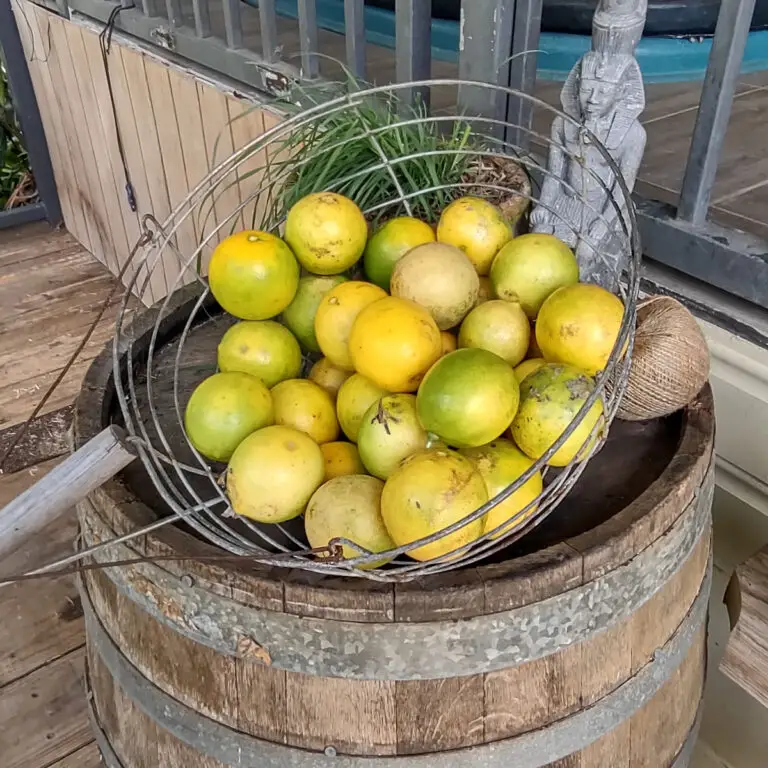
{"x": 603, "y": 93}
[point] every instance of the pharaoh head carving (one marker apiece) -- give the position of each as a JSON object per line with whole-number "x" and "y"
{"x": 617, "y": 26}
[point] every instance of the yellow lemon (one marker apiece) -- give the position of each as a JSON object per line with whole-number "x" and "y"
{"x": 253, "y": 275}
{"x": 263, "y": 348}
{"x": 299, "y": 315}
{"x": 327, "y": 232}
{"x": 500, "y": 327}
{"x": 530, "y": 268}
{"x": 448, "y": 342}
{"x": 303, "y": 405}
{"x": 390, "y": 432}
{"x": 468, "y": 398}
{"x": 341, "y": 459}
{"x": 336, "y": 314}
{"x": 223, "y": 410}
{"x": 394, "y": 342}
{"x": 501, "y": 463}
{"x": 428, "y": 492}
{"x": 273, "y": 473}
{"x": 579, "y": 325}
{"x": 486, "y": 290}
{"x": 529, "y": 366}
{"x": 355, "y": 397}
{"x": 328, "y": 376}
{"x": 477, "y": 227}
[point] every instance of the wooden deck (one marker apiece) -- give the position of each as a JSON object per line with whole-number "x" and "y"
{"x": 51, "y": 289}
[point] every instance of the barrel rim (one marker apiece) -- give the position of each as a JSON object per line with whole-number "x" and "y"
{"x": 467, "y": 592}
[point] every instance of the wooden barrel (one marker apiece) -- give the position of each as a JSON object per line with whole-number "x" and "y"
{"x": 582, "y": 645}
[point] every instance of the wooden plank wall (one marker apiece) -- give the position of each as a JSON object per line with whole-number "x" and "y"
{"x": 175, "y": 129}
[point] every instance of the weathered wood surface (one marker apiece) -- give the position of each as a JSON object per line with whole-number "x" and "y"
{"x": 45, "y": 438}
{"x": 51, "y": 289}
{"x": 746, "y": 656}
{"x": 86, "y": 757}
{"x": 175, "y": 129}
{"x": 192, "y": 639}
{"x": 41, "y": 505}
{"x": 41, "y": 621}
{"x": 42, "y": 716}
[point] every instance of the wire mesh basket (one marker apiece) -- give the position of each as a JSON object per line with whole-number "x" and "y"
{"x": 420, "y": 161}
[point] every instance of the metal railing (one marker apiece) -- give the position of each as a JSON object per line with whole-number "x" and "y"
{"x": 25, "y": 106}
{"x": 268, "y": 43}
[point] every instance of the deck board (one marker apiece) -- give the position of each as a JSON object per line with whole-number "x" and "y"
{"x": 51, "y": 289}
{"x": 43, "y": 715}
{"x": 42, "y": 620}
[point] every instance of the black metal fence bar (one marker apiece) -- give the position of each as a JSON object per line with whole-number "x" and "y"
{"x": 25, "y": 104}
{"x": 723, "y": 69}
{"x": 310, "y": 65}
{"x": 354, "y": 29}
{"x": 233, "y": 24}
{"x": 413, "y": 44}
{"x": 268, "y": 28}
{"x": 202, "y": 17}
{"x": 211, "y": 52}
{"x": 485, "y": 45}
{"x": 522, "y": 69}
{"x": 175, "y": 15}
{"x": 150, "y": 7}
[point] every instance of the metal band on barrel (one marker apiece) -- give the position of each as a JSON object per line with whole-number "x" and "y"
{"x": 529, "y": 750}
{"x": 412, "y": 651}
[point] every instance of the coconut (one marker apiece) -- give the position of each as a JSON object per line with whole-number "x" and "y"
{"x": 670, "y": 361}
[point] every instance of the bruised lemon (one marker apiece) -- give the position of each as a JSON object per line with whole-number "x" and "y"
{"x": 428, "y": 492}
{"x": 328, "y": 376}
{"x": 327, "y": 232}
{"x": 440, "y": 278}
{"x": 550, "y": 400}
{"x": 476, "y": 227}
{"x": 579, "y": 325}
{"x": 348, "y": 507}
{"x": 303, "y": 405}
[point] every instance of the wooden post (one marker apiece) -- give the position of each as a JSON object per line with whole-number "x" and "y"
{"x": 71, "y": 481}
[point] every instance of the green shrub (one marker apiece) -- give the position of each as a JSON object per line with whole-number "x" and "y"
{"x": 14, "y": 163}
